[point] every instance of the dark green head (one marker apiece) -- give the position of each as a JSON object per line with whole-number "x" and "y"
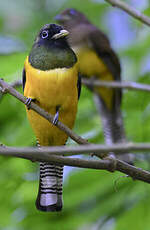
{"x": 51, "y": 50}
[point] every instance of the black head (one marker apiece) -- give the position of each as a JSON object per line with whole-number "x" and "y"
{"x": 70, "y": 17}
{"x": 51, "y": 50}
{"x": 50, "y": 33}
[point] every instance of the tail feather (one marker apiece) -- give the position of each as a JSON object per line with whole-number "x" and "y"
{"x": 50, "y": 188}
{"x": 113, "y": 126}
{"x": 59, "y": 173}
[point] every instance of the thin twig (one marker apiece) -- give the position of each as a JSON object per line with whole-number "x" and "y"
{"x": 130, "y": 10}
{"x": 16, "y": 83}
{"x": 40, "y": 155}
{"x": 81, "y": 149}
{"x": 107, "y": 84}
{"x": 117, "y": 84}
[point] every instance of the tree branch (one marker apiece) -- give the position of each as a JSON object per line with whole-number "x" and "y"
{"x": 37, "y": 155}
{"x": 130, "y": 10}
{"x": 16, "y": 83}
{"x": 78, "y": 150}
{"x": 43, "y": 154}
{"x": 116, "y": 84}
{"x": 107, "y": 84}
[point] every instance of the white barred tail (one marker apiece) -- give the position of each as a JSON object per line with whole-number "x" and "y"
{"x": 50, "y": 188}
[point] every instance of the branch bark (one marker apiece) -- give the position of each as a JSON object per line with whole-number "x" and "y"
{"x": 78, "y": 150}
{"x": 107, "y": 84}
{"x": 116, "y": 84}
{"x": 16, "y": 83}
{"x": 130, "y": 10}
{"x": 37, "y": 154}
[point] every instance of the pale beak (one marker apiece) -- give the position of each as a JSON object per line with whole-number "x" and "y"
{"x": 61, "y": 34}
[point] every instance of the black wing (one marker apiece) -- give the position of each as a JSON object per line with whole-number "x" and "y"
{"x": 79, "y": 85}
{"x": 102, "y": 47}
{"x": 23, "y": 78}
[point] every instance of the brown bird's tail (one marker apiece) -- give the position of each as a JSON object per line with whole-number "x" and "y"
{"x": 50, "y": 188}
{"x": 113, "y": 127}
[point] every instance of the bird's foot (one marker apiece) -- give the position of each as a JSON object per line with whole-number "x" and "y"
{"x": 55, "y": 120}
{"x": 28, "y": 102}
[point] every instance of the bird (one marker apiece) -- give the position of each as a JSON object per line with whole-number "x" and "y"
{"x": 97, "y": 60}
{"x": 51, "y": 80}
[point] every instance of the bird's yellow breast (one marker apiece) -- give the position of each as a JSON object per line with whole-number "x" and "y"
{"x": 57, "y": 87}
{"x": 90, "y": 65}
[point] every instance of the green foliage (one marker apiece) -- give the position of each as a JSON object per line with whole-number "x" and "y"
{"x": 92, "y": 199}
{"x": 138, "y": 115}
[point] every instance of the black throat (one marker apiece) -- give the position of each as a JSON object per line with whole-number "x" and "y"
{"x": 46, "y": 55}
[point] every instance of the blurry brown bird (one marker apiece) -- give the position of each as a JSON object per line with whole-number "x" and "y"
{"x": 97, "y": 60}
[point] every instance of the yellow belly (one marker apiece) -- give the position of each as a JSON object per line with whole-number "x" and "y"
{"x": 50, "y": 89}
{"x": 90, "y": 65}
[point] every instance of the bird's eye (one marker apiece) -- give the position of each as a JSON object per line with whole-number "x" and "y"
{"x": 72, "y": 12}
{"x": 45, "y": 34}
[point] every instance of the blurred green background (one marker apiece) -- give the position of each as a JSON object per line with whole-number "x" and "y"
{"x": 93, "y": 199}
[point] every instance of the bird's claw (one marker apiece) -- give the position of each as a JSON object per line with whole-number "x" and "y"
{"x": 28, "y": 102}
{"x": 55, "y": 120}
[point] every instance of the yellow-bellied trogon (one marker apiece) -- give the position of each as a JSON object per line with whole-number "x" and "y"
{"x": 97, "y": 60}
{"x": 50, "y": 78}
